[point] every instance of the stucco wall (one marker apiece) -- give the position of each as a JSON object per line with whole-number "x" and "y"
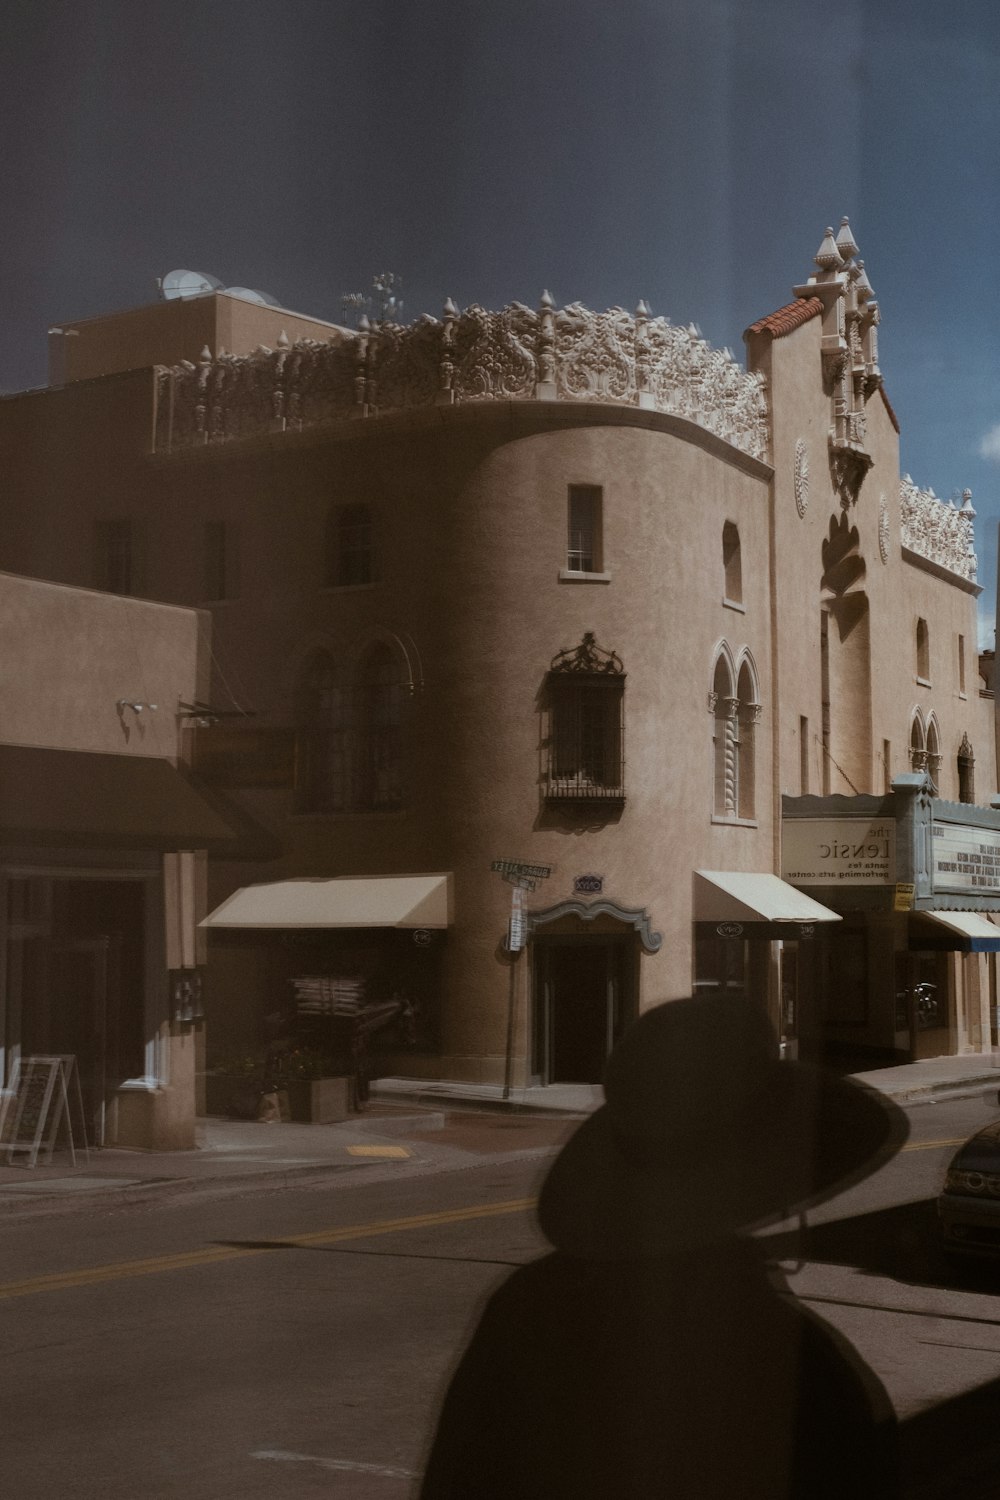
{"x": 69, "y": 656}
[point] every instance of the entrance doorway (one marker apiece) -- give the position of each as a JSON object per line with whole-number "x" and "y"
{"x": 584, "y": 997}
{"x": 75, "y": 982}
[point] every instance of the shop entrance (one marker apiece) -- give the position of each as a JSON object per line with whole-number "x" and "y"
{"x": 75, "y": 982}
{"x": 584, "y": 996}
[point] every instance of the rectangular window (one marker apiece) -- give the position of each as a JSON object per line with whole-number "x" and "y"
{"x": 961, "y": 664}
{"x": 117, "y": 561}
{"x": 585, "y": 744}
{"x": 803, "y": 756}
{"x": 353, "y": 546}
{"x": 923, "y": 652}
{"x": 221, "y": 580}
{"x": 886, "y": 766}
{"x": 583, "y": 548}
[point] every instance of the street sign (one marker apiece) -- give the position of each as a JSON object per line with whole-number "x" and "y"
{"x": 517, "y": 930}
{"x": 517, "y": 867}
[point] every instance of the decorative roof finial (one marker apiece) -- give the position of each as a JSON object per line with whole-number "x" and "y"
{"x": 864, "y": 288}
{"x": 546, "y": 300}
{"x": 283, "y": 340}
{"x": 845, "y": 240}
{"x": 205, "y": 358}
{"x": 828, "y": 257}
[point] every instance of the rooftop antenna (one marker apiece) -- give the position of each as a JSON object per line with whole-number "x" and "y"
{"x": 389, "y": 304}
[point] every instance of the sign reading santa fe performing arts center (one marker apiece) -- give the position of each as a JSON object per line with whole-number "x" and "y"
{"x": 835, "y": 851}
{"x": 965, "y": 859}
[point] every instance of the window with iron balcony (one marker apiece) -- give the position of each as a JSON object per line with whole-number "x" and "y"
{"x": 585, "y": 689}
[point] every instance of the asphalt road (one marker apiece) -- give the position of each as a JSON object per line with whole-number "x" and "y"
{"x": 294, "y": 1344}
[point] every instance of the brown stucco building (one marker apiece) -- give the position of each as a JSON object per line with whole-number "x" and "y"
{"x": 598, "y": 634}
{"x": 102, "y": 856}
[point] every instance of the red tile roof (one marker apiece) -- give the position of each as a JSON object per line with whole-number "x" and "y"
{"x": 777, "y": 324}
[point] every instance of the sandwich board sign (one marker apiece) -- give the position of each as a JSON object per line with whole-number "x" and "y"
{"x": 45, "y": 1086}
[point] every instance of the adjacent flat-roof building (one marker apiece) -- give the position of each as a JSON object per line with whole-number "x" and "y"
{"x": 102, "y": 852}
{"x": 598, "y": 638}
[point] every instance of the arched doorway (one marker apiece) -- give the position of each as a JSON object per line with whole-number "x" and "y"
{"x": 585, "y": 986}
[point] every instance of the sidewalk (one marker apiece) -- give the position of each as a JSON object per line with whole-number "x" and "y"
{"x": 410, "y": 1124}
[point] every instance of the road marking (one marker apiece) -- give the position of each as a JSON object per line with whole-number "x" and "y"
{"x": 927, "y": 1145}
{"x": 388, "y": 1151}
{"x": 59, "y": 1281}
{"x": 276, "y": 1455}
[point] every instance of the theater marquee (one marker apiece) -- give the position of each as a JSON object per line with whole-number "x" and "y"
{"x": 839, "y": 851}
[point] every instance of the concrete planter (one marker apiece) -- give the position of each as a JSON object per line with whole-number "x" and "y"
{"x": 321, "y": 1101}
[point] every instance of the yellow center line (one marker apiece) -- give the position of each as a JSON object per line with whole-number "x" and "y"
{"x": 91, "y": 1276}
{"x": 957, "y": 1140}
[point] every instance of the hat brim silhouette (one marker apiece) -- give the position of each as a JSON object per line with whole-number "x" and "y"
{"x": 706, "y": 1132}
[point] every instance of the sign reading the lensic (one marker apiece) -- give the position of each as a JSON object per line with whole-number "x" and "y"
{"x": 839, "y": 851}
{"x": 965, "y": 859}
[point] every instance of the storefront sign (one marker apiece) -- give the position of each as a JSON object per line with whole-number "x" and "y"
{"x": 588, "y": 885}
{"x": 965, "y": 859}
{"x": 839, "y": 851}
{"x": 903, "y": 897}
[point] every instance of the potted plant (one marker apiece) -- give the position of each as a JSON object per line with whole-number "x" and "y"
{"x": 318, "y": 1090}
{"x": 234, "y": 1085}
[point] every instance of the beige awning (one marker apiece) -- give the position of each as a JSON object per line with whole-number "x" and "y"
{"x": 375, "y": 901}
{"x": 745, "y": 896}
{"x": 957, "y": 931}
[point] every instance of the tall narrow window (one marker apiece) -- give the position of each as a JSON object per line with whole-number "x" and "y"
{"x": 117, "y": 560}
{"x": 724, "y": 704}
{"x": 918, "y": 744}
{"x": 933, "y": 752}
{"x": 378, "y": 734}
{"x": 748, "y": 714}
{"x": 585, "y": 691}
{"x": 732, "y": 563}
{"x": 584, "y": 541}
{"x": 803, "y": 756}
{"x": 321, "y": 738}
{"x": 923, "y": 652}
{"x": 220, "y": 562}
{"x": 886, "y": 766}
{"x": 966, "y": 771}
{"x": 961, "y": 664}
{"x": 350, "y": 546}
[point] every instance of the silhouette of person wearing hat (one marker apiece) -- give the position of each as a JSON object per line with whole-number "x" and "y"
{"x": 651, "y": 1353}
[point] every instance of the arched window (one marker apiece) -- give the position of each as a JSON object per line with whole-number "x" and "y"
{"x": 732, "y": 563}
{"x": 918, "y": 744}
{"x": 321, "y": 737}
{"x": 379, "y": 700}
{"x": 724, "y": 704}
{"x": 923, "y": 651}
{"x": 747, "y": 713}
{"x": 735, "y": 706}
{"x": 933, "y": 751}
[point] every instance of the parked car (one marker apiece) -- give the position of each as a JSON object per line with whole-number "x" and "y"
{"x": 969, "y": 1207}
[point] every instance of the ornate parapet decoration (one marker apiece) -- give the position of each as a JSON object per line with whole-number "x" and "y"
{"x": 939, "y": 530}
{"x": 849, "y": 347}
{"x": 566, "y": 354}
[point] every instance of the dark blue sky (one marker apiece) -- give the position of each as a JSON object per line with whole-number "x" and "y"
{"x": 689, "y": 152}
